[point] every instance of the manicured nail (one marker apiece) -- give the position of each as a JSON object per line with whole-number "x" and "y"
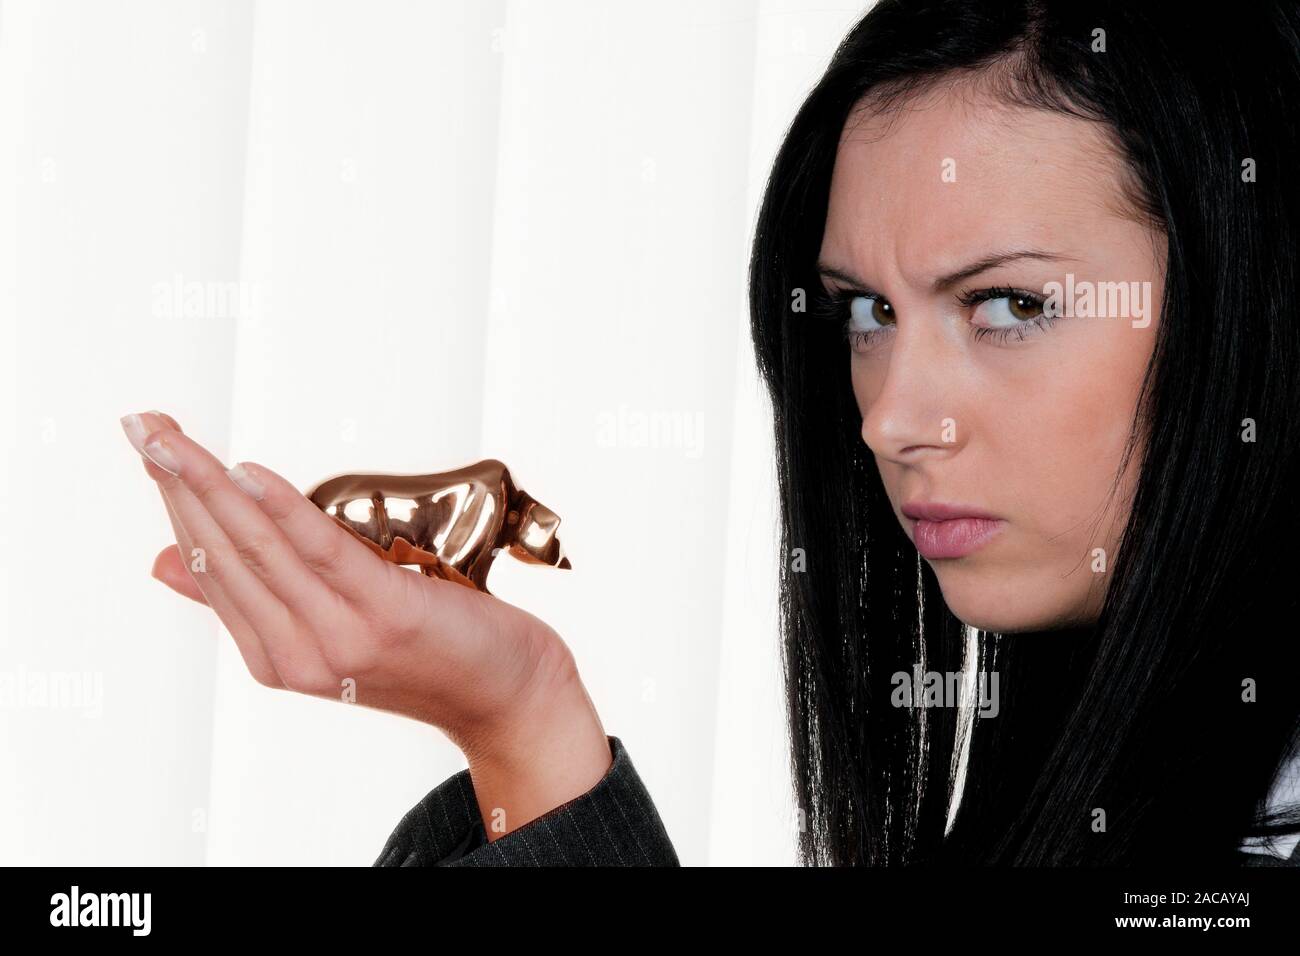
{"x": 166, "y": 419}
{"x": 162, "y": 456}
{"x": 241, "y": 476}
{"x": 133, "y": 425}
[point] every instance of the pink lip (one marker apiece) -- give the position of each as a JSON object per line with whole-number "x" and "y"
{"x": 950, "y": 531}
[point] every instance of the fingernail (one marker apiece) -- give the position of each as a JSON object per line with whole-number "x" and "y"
{"x": 162, "y": 456}
{"x": 133, "y": 425}
{"x": 167, "y": 419}
{"x": 240, "y": 476}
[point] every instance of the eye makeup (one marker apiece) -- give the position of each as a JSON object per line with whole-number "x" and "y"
{"x": 863, "y": 325}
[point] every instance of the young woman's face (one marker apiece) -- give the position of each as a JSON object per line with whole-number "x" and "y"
{"x": 972, "y": 402}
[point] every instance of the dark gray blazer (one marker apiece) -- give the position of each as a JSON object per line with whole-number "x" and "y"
{"x": 615, "y": 823}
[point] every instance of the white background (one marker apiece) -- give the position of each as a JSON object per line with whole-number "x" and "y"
{"x": 460, "y": 230}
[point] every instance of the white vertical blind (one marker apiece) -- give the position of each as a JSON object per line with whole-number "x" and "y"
{"x": 390, "y": 236}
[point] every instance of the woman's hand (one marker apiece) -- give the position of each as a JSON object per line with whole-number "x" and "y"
{"x": 313, "y": 610}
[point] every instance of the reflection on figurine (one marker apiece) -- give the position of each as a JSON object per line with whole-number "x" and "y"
{"x": 451, "y": 524}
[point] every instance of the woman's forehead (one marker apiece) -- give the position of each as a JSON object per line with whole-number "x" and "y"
{"x": 956, "y": 171}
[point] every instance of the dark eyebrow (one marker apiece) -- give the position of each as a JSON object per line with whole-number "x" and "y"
{"x": 847, "y": 278}
{"x": 992, "y": 262}
{"x": 966, "y": 272}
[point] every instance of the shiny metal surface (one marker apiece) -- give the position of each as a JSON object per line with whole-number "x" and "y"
{"x": 450, "y": 524}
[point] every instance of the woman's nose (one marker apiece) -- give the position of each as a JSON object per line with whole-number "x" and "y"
{"x": 913, "y": 410}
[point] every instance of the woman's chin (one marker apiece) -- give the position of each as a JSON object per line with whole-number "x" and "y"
{"x": 990, "y": 609}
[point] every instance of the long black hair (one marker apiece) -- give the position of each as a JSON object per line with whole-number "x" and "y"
{"x": 1174, "y": 713}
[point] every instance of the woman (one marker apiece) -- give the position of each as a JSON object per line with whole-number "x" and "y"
{"x": 1021, "y": 291}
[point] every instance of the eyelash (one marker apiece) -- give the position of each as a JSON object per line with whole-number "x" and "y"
{"x": 834, "y": 307}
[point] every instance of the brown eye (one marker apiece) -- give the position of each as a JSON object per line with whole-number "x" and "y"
{"x": 869, "y": 313}
{"x": 1005, "y": 309}
{"x": 1024, "y": 308}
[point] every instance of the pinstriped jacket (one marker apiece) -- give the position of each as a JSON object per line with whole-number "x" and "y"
{"x": 613, "y": 824}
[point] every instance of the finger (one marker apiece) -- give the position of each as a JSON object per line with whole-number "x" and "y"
{"x": 169, "y": 568}
{"x": 229, "y": 585}
{"x": 229, "y": 498}
{"x": 171, "y": 422}
{"x": 199, "y": 489}
{"x": 189, "y": 473}
{"x": 137, "y": 429}
{"x": 249, "y": 644}
{"x": 193, "y": 540}
{"x": 342, "y": 562}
